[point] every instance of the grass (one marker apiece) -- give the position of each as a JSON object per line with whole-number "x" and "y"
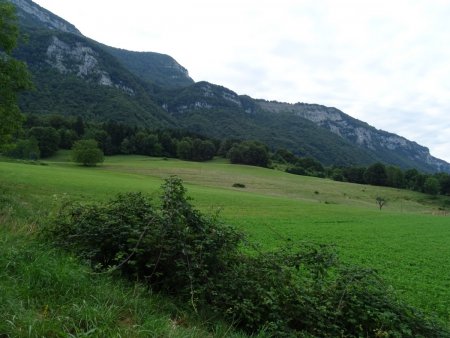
{"x": 407, "y": 242}
{"x": 47, "y": 293}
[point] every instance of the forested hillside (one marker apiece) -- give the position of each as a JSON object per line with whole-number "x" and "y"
{"x": 75, "y": 75}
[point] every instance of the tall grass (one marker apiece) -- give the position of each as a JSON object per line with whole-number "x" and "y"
{"x": 46, "y": 293}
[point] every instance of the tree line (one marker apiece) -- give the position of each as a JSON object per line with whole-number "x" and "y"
{"x": 42, "y": 135}
{"x": 377, "y": 174}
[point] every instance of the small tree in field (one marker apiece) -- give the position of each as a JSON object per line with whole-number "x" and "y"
{"x": 87, "y": 153}
{"x": 381, "y": 201}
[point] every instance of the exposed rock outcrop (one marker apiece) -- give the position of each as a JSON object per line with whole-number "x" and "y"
{"x": 51, "y": 20}
{"x": 360, "y": 133}
{"x": 80, "y": 60}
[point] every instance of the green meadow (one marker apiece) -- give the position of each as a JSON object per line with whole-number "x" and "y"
{"x": 407, "y": 242}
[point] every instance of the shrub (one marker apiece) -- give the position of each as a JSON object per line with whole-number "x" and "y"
{"x": 294, "y": 291}
{"x": 173, "y": 247}
{"x": 87, "y": 153}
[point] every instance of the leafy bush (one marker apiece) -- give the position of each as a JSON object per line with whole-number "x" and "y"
{"x": 87, "y": 153}
{"x": 174, "y": 248}
{"x": 295, "y": 291}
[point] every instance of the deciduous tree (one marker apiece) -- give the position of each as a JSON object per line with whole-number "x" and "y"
{"x": 87, "y": 153}
{"x": 14, "y": 76}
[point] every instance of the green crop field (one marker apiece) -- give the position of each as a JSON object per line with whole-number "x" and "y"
{"x": 407, "y": 242}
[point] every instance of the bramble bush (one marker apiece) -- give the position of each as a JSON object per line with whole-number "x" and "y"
{"x": 174, "y": 247}
{"x": 295, "y": 291}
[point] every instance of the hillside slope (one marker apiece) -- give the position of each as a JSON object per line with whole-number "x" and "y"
{"x": 73, "y": 75}
{"x": 79, "y": 76}
{"x": 159, "y": 69}
{"x": 384, "y": 146}
{"x": 325, "y": 133}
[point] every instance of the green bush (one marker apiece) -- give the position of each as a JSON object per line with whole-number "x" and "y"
{"x": 174, "y": 248}
{"x": 295, "y": 291}
{"x": 87, "y": 153}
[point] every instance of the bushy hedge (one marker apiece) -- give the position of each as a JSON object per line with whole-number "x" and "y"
{"x": 295, "y": 291}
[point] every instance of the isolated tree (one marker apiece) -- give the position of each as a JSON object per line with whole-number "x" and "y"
{"x": 381, "y": 201}
{"x": 14, "y": 76}
{"x": 87, "y": 153}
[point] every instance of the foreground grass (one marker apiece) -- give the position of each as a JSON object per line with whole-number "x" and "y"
{"x": 407, "y": 242}
{"x": 46, "y": 293}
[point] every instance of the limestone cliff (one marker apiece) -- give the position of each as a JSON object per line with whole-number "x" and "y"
{"x": 389, "y": 147}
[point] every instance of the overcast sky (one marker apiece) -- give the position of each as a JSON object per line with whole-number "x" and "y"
{"x": 386, "y": 62}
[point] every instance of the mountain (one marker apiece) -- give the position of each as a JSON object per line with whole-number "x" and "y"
{"x": 159, "y": 69}
{"x": 76, "y": 75}
{"x": 383, "y": 146}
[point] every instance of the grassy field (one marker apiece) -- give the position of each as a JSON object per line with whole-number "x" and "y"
{"x": 408, "y": 241}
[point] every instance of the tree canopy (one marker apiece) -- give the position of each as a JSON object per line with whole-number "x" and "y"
{"x": 14, "y": 76}
{"x": 87, "y": 153}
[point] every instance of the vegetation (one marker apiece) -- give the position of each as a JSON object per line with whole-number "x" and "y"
{"x": 87, "y": 153}
{"x": 195, "y": 149}
{"x": 404, "y": 240}
{"x": 301, "y": 290}
{"x": 47, "y": 293}
{"x": 68, "y": 94}
{"x": 160, "y": 69}
{"x": 14, "y": 76}
{"x": 151, "y": 90}
{"x": 52, "y": 132}
{"x": 172, "y": 247}
{"x": 381, "y": 201}
{"x": 249, "y": 152}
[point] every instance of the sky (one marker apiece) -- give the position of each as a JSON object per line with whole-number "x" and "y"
{"x": 384, "y": 62}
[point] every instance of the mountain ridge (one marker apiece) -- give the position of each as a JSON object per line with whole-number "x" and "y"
{"x": 80, "y": 76}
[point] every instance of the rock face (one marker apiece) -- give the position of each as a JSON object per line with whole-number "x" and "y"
{"x": 389, "y": 147}
{"x": 155, "y": 68}
{"x": 80, "y": 60}
{"x": 50, "y": 20}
